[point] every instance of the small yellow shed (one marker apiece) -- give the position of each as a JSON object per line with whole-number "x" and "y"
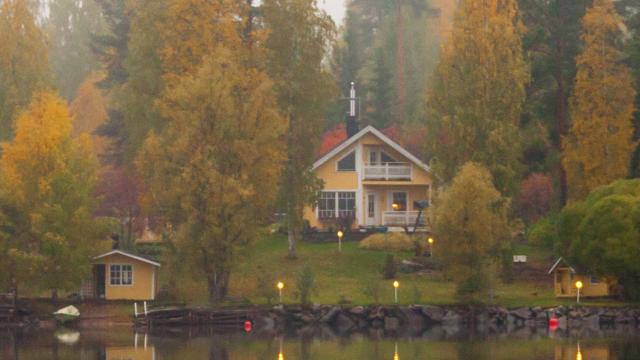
{"x": 565, "y": 278}
{"x": 119, "y": 275}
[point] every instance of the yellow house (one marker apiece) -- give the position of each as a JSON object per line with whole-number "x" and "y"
{"x": 565, "y": 278}
{"x": 118, "y": 275}
{"x": 372, "y": 181}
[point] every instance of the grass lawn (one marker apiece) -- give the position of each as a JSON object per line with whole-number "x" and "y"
{"x": 344, "y": 276}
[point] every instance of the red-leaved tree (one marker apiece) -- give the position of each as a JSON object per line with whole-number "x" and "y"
{"x": 534, "y": 198}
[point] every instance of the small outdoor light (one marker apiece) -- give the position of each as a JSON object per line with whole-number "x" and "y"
{"x": 280, "y": 287}
{"x": 578, "y": 286}
{"x": 396, "y": 285}
{"x": 280, "y": 356}
{"x": 340, "y": 235}
{"x": 395, "y": 206}
{"x": 396, "y": 356}
{"x": 430, "y": 241}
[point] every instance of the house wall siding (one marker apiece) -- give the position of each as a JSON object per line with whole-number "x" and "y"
{"x": 143, "y": 286}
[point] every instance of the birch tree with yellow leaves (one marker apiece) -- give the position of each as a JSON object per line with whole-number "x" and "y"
{"x": 599, "y": 146}
{"x": 213, "y": 171}
{"x": 47, "y": 182}
{"x": 478, "y": 91}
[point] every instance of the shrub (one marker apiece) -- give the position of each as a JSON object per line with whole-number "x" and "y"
{"x": 305, "y": 284}
{"x": 390, "y": 242}
{"x": 372, "y": 290}
{"x": 390, "y": 267}
{"x": 266, "y": 287}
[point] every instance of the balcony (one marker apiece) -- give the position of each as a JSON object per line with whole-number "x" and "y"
{"x": 402, "y": 218}
{"x": 387, "y": 171}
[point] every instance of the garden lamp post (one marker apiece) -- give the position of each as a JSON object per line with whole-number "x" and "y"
{"x": 396, "y": 285}
{"x": 578, "y": 286}
{"x": 280, "y": 287}
{"x": 430, "y": 241}
{"x": 340, "y": 235}
{"x": 396, "y": 356}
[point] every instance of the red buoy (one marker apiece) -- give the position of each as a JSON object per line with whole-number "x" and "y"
{"x": 248, "y": 326}
{"x": 553, "y": 323}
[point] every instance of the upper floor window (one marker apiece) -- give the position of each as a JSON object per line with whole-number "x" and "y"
{"x": 348, "y": 163}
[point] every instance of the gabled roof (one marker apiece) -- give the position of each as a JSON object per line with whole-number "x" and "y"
{"x": 557, "y": 263}
{"x": 120, "y": 252}
{"x": 370, "y": 130}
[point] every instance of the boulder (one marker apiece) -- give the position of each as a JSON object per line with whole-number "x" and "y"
{"x": 357, "y": 310}
{"x": 344, "y": 323}
{"x": 452, "y": 318}
{"x": 433, "y": 314}
{"x": 522, "y": 313}
{"x": 330, "y": 315}
{"x": 391, "y": 323}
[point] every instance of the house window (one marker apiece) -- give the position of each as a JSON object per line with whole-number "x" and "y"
{"x": 347, "y": 163}
{"x": 333, "y": 204}
{"x": 400, "y": 199}
{"x": 327, "y": 204}
{"x": 373, "y": 157}
{"x": 346, "y": 204}
{"x": 386, "y": 158}
{"x": 121, "y": 274}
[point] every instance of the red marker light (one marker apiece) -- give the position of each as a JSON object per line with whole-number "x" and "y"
{"x": 248, "y": 326}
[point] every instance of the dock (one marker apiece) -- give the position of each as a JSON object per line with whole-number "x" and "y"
{"x": 187, "y": 316}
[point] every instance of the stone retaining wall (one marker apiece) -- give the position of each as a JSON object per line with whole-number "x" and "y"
{"x": 418, "y": 318}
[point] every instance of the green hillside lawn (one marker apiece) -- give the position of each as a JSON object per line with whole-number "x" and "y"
{"x": 344, "y": 275}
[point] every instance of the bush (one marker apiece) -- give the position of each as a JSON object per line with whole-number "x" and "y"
{"x": 266, "y": 285}
{"x": 305, "y": 284}
{"x": 372, "y": 290}
{"x": 390, "y": 267}
{"x": 391, "y": 242}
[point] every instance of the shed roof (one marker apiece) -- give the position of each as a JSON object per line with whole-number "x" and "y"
{"x": 123, "y": 253}
{"x": 557, "y": 263}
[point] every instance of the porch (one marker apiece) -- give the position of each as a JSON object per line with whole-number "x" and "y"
{"x": 388, "y": 171}
{"x": 394, "y": 207}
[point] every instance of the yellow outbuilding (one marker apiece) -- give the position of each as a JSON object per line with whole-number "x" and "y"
{"x": 565, "y": 277}
{"x": 118, "y": 275}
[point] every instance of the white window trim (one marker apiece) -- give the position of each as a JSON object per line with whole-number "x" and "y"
{"x": 337, "y": 211}
{"x": 355, "y": 166}
{"x": 132, "y": 275}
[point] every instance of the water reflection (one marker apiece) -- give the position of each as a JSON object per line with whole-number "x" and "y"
{"x": 187, "y": 344}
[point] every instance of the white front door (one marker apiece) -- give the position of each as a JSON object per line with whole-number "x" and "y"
{"x": 372, "y": 208}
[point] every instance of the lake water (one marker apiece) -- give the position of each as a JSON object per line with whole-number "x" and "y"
{"x": 437, "y": 343}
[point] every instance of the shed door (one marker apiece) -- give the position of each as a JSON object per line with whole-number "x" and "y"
{"x": 100, "y": 280}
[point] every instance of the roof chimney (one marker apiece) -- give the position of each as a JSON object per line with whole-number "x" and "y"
{"x": 352, "y": 122}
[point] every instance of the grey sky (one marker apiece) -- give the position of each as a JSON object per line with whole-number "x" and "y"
{"x": 335, "y": 8}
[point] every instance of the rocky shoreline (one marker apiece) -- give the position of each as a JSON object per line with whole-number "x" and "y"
{"x": 415, "y": 319}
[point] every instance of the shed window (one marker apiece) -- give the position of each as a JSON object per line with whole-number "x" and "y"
{"x": 121, "y": 274}
{"x": 347, "y": 163}
{"x": 595, "y": 280}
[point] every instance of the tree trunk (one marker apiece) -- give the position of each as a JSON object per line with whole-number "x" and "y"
{"x": 291, "y": 232}
{"x": 400, "y": 61}
{"x": 218, "y": 286}
{"x": 561, "y": 122}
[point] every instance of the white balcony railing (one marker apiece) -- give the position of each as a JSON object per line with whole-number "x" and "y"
{"x": 387, "y": 171}
{"x": 402, "y": 218}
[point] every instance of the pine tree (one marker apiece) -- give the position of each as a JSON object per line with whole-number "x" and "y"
{"x": 213, "y": 171}
{"x": 297, "y": 40}
{"x": 48, "y": 179}
{"x": 599, "y": 145}
{"x": 24, "y": 64}
{"x": 478, "y": 92}
{"x": 553, "y": 40}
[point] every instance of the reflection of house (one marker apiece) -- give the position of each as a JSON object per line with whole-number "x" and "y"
{"x": 118, "y": 275}
{"x": 372, "y": 180}
{"x": 565, "y": 277}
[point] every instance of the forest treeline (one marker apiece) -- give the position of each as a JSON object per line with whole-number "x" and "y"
{"x": 200, "y": 119}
